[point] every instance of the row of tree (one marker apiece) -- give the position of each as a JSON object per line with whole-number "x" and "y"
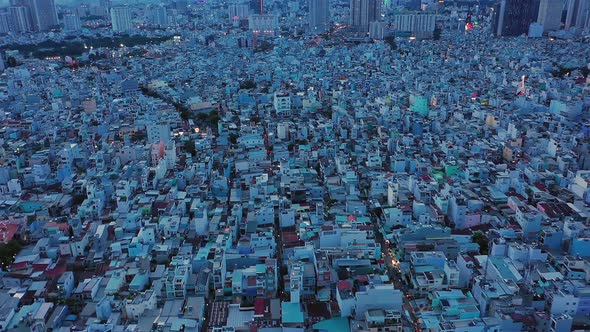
{"x": 50, "y": 48}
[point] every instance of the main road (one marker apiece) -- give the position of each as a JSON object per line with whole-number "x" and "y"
{"x": 394, "y": 271}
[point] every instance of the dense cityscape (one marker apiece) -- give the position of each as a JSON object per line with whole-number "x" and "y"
{"x": 295, "y": 165}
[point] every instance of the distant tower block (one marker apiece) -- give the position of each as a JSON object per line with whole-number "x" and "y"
{"x": 263, "y": 24}
{"x": 319, "y": 16}
{"x": 550, "y": 14}
{"x": 121, "y": 19}
{"x": 363, "y": 12}
{"x": 513, "y": 17}
{"x": 578, "y": 14}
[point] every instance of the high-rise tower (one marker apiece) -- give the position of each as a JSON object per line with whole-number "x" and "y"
{"x": 578, "y": 14}
{"x": 550, "y": 14}
{"x": 4, "y": 22}
{"x": 121, "y": 18}
{"x": 20, "y": 19}
{"x": 319, "y": 16}
{"x": 45, "y": 15}
{"x": 363, "y": 12}
{"x": 42, "y": 14}
{"x": 513, "y": 17}
{"x": 72, "y": 22}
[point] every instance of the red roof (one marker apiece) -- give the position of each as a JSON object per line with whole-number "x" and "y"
{"x": 290, "y": 237}
{"x": 363, "y": 278}
{"x": 19, "y": 265}
{"x": 7, "y": 231}
{"x": 405, "y": 207}
{"x": 540, "y": 186}
{"x": 467, "y": 258}
{"x": 40, "y": 266}
{"x": 426, "y": 178}
{"x": 57, "y": 271}
{"x": 259, "y": 304}
{"x": 344, "y": 284}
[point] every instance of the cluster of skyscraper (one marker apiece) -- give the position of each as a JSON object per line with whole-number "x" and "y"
{"x": 578, "y": 14}
{"x": 362, "y": 14}
{"x": 29, "y": 15}
{"x": 514, "y": 17}
{"x": 24, "y": 16}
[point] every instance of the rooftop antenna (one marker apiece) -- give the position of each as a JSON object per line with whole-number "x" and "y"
{"x": 522, "y": 88}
